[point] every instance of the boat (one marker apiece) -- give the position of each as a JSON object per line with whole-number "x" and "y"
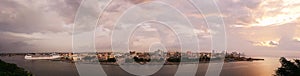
{"x": 42, "y": 57}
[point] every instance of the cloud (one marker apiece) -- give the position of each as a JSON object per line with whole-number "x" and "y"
{"x": 266, "y": 43}
{"x": 254, "y": 13}
{"x": 297, "y": 39}
{"x": 273, "y": 43}
{"x": 36, "y": 16}
{"x": 267, "y": 25}
{"x": 251, "y": 25}
{"x": 238, "y": 12}
{"x": 11, "y": 42}
{"x": 36, "y": 25}
{"x": 22, "y": 42}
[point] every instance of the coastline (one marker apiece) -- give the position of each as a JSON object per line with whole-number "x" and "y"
{"x": 226, "y": 60}
{"x": 65, "y": 68}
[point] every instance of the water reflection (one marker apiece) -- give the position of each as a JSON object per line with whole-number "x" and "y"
{"x": 59, "y": 68}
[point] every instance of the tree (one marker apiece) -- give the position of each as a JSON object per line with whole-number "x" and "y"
{"x": 8, "y": 69}
{"x": 111, "y": 60}
{"x": 288, "y": 68}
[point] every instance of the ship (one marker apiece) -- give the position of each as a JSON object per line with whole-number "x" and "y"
{"x": 42, "y": 57}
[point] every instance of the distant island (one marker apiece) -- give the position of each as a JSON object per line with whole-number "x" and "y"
{"x": 159, "y": 56}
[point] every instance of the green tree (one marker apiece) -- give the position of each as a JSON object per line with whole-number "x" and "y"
{"x": 8, "y": 69}
{"x": 288, "y": 68}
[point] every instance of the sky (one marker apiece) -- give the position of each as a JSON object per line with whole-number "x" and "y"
{"x": 254, "y": 27}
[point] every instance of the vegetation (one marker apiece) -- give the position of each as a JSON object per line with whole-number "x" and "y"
{"x": 111, "y": 60}
{"x": 136, "y": 59}
{"x": 174, "y": 59}
{"x": 288, "y": 68}
{"x": 8, "y": 69}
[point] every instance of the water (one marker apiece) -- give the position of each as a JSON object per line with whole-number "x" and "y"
{"x": 60, "y": 68}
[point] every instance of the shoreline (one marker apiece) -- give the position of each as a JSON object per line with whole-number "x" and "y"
{"x": 47, "y": 65}
{"x": 226, "y": 60}
{"x": 173, "y": 63}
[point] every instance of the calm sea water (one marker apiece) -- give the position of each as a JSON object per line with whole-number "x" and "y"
{"x": 60, "y": 68}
